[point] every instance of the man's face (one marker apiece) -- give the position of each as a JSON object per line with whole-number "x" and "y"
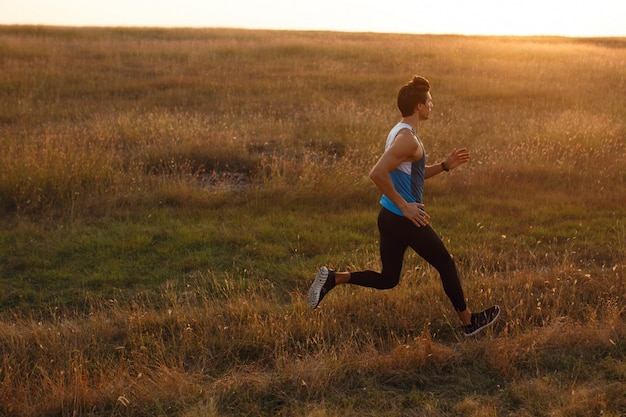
{"x": 425, "y": 109}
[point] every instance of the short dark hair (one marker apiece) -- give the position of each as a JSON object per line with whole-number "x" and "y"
{"x": 413, "y": 93}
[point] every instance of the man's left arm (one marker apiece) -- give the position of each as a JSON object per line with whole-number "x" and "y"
{"x": 453, "y": 160}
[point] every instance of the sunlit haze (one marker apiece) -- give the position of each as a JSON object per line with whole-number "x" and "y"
{"x": 479, "y": 17}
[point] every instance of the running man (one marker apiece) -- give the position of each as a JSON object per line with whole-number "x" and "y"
{"x": 402, "y": 221}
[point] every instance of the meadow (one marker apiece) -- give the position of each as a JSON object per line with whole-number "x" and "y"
{"x": 167, "y": 195}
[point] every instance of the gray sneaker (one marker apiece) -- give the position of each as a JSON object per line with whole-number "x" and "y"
{"x": 324, "y": 282}
{"x": 481, "y": 320}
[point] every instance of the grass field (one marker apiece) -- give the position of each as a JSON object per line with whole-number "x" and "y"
{"x": 166, "y": 197}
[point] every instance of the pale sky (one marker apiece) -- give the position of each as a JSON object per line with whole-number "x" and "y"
{"x": 468, "y": 17}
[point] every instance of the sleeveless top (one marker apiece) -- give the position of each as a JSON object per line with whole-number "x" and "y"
{"x": 408, "y": 177}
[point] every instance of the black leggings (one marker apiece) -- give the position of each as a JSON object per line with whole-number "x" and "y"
{"x": 397, "y": 233}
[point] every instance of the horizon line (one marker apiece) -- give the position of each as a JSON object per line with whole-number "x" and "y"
{"x": 312, "y": 30}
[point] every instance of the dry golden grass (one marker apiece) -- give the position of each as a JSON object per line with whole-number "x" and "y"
{"x": 212, "y": 347}
{"x": 152, "y": 138}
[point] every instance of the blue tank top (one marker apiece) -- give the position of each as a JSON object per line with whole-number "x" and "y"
{"x": 408, "y": 177}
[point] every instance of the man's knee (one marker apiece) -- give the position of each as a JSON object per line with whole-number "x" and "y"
{"x": 389, "y": 281}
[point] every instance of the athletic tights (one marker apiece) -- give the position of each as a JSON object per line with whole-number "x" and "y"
{"x": 397, "y": 233}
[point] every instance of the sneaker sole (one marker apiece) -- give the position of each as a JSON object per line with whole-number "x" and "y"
{"x": 316, "y": 287}
{"x": 485, "y": 326}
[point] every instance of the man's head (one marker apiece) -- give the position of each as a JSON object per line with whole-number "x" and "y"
{"x": 412, "y": 94}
